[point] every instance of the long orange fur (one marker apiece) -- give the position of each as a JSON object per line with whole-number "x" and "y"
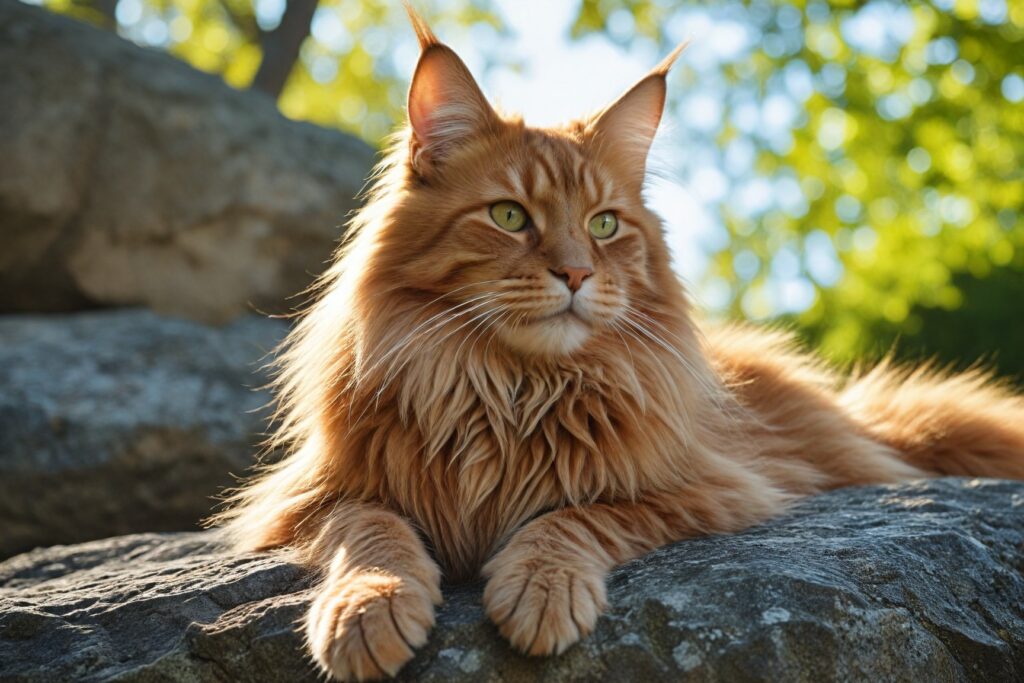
{"x": 444, "y": 416}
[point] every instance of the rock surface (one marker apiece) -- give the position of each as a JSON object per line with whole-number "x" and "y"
{"x": 123, "y": 421}
{"x": 915, "y": 582}
{"x": 130, "y": 178}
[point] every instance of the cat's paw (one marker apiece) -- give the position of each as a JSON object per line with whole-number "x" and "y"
{"x": 543, "y": 605}
{"x": 365, "y": 626}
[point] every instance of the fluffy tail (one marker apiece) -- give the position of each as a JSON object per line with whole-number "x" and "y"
{"x": 965, "y": 424}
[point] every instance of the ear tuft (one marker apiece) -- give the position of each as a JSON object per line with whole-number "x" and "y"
{"x": 424, "y": 35}
{"x": 666, "y": 64}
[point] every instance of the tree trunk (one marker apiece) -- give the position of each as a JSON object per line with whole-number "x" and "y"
{"x": 281, "y": 47}
{"x": 107, "y": 8}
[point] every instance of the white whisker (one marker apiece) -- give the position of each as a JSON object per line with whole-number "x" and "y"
{"x": 712, "y": 391}
{"x": 452, "y": 312}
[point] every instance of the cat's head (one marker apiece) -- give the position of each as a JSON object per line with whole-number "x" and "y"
{"x": 537, "y": 236}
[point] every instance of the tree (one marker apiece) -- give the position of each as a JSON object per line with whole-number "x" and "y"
{"x": 281, "y": 46}
{"x": 895, "y": 185}
{"x": 331, "y": 62}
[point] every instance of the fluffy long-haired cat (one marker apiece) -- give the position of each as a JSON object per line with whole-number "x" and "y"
{"x": 501, "y": 375}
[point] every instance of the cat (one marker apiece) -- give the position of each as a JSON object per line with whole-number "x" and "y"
{"x": 501, "y": 375}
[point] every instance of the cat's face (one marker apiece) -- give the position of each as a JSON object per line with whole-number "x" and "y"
{"x": 537, "y": 237}
{"x": 534, "y": 236}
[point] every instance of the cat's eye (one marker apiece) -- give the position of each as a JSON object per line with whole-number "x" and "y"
{"x": 603, "y": 225}
{"x": 509, "y": 216}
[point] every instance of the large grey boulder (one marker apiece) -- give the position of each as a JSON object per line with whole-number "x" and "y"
{"x": 130, "y": 178}
{"x": 124, "y": 421}
{"x": 920, "y": 582}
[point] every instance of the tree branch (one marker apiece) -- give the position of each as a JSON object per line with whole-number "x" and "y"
{"x": 281, "y": 47}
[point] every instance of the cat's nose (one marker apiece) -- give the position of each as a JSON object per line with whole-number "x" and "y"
{"x": 573, "y": 275}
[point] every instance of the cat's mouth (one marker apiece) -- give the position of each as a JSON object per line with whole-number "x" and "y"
{"x": 556, "y": 332}
{"x": 567, "y": 313}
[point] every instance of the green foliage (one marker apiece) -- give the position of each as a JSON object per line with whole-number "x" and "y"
{"x": 345, "y": 76}
{"x": 910, "y": 163}
{"x": 981, "y": 330}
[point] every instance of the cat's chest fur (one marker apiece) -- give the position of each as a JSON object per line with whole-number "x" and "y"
{"x": 478, "y": 452}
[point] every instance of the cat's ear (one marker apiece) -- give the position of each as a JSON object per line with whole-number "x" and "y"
{"x": 626, "y": 128}
{"x": 446, "y": 106}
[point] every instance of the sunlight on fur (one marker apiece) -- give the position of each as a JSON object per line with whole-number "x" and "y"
{"x": 529, "y": 399}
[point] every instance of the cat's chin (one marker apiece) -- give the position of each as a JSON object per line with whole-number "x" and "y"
{"x": 554, "y": 336}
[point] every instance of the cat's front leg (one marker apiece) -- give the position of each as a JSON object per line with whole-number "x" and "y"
{"x": 376, "y": 602}
{"x": 546, "y": 586}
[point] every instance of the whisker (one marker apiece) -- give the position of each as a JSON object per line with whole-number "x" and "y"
{"x": 488, "y": 330}
{"x": 390, "y": 374}
{"x": 712, "y": 390}
{"x": 654, "y": 321}
{"x": 393, "y": 373}
{"x": 396, "y": 288}
{"x": 665, "y": 372}
{"x": 487, "y": 316}
{"x": 433, "y": 301}
{"x": 402, "y": 343}
{"x": 440, "y": 320}
{"x": 616, "y": 326}
{"x": 498, "y": 321}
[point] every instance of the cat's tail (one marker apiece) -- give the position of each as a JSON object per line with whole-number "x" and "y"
{"x": 964, "y": 424}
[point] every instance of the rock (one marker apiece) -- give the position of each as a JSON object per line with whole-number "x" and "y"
{"x": 920, "y": 582}
{"x": 130, "y": 178}
{"x": 119, "y": 422}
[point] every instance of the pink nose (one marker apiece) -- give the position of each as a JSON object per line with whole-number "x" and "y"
{"x": 573, "y": 275}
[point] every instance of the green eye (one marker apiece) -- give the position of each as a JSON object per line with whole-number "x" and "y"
{"x": 603, "y": 225}
{"x": 508, "y": 216}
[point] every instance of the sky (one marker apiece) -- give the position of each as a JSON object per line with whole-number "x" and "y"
{"x": 534, "y": 67}
{"x": 694, "y": 176}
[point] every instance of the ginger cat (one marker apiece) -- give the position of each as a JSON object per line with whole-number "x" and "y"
{"x": 501, "y": 375}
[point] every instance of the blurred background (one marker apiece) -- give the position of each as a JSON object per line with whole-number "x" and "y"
{"x": 853, "y": 169}
{"x": 174, "y": 170}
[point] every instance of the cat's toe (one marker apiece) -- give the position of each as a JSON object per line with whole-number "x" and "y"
{"x": 368, "y": 626}
{"x": 542, "y": 607}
